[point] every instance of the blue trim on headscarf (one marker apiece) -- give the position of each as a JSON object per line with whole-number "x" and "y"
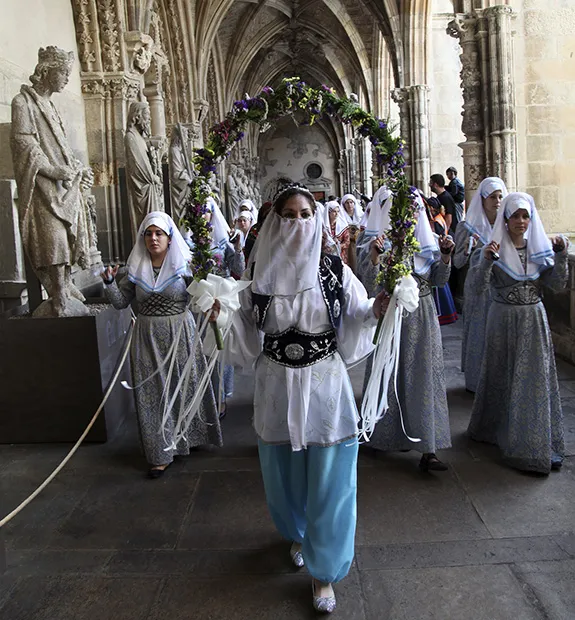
{"x": 169, "y": 281}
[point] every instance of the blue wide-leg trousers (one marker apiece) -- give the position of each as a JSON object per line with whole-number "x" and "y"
{"x": 311, "y": 495}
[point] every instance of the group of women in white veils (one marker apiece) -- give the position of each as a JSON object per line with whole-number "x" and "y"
{"x": 307, "y": 316}
{"x": 342, "y": 220}
{"x": 507, "y": 352}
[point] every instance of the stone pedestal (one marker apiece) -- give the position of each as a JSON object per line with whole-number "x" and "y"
{"x": 55, "y": 373}
{"x": 560, "y": 308}
{"x": 12, "y": 275}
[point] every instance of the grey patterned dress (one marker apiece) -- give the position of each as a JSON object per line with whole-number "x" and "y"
{"x": 159, "y": 318}
{"x": 421, "y": 376}
{"x": 517, "y": 404}
{"x": 476, "y": 303}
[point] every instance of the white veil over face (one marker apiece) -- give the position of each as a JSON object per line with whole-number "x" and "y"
{"x": 539, "y": 247}
{"x": 475, "y": 218}
{"x": 286, "y": 255}
{"x": 177, "y": 260}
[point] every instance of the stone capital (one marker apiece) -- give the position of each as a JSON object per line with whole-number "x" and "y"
{"x": 400, "y": 95}
{"x": 462, "y": 26}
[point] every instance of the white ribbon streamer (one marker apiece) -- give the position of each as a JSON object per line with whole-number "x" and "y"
{"x": 386, "y": 358}
{"x": 203, "y": 294}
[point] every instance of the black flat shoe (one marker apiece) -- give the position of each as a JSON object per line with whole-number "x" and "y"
{"x": 429, "y": 462}
{"x": 154, "y": 473}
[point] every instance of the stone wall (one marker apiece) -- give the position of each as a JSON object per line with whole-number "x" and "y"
{"x": 446, "y": 99}
{"x": 289, "y": 150}
{"x": 545, "y": 77}
{"x": 25, "y": 26}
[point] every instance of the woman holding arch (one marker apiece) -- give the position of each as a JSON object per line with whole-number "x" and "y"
{"x": 315, "y": 317}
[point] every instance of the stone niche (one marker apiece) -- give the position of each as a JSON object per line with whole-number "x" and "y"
{"x": 57, "y": 371}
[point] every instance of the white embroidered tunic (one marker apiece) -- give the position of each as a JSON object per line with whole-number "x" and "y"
{"x": 314, "y": 405}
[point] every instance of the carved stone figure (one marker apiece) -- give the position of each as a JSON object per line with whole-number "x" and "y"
{"x": 143, "y": 171}
{"x": 181, "y": 173}
{"x": 234, "y": 192}
{"x": 53, "y": 187}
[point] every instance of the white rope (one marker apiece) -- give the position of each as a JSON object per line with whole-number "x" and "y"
{"x": 405, "y": 298}
{"x": 73, "y": 451}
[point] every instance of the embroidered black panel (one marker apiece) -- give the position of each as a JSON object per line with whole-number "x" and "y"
{"x": 297, "y": 349}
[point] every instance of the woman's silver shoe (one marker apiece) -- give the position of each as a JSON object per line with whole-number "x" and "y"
{"x": 296, "y": 555}
{"x": 323, "y": 604}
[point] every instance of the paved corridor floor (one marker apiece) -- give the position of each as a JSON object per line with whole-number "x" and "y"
{"x": 480, "y": 541}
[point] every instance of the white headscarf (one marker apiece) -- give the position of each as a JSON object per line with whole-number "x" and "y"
{"x": 476, "y": 220}
{"x": 428, "y": 247}
{"x": 341, "y": 223}
{"x": 220, "y": 228}
{"x": 176, "y": 262}
{"x": 377, "y": 221}
{"x": 286, "y": 255}
{"x": 357, "y": 210}
{"x": 248, "y": 205}
{"x": 539, "y": 247}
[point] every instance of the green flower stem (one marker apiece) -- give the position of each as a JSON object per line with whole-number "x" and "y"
{"x": 218, "y": 336}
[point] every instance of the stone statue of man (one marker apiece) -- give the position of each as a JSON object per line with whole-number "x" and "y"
{"x": 234, "y": 194}
{"x": 143, "y": 172}
{"x": 52, "y": 186}
{"x": 181, "y": 174}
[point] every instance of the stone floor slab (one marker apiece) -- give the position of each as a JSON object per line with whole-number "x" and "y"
{"x": 273, "y": 559}
{"x": 32, "y": 528}
{"x": 553, "y": 583}
{"x": 282, "y": 597}
{"x": 460, "y": 553}
{"x": 398, "y": 503}
{"x": 126, "y": 513}
{"x": 466, "y": 592}
{"x": 81, "y": 598}
{"x": 229, "y": 512}
{"x": 567, "y": 543}
{"x": 57, "y": 562}
{"x": 512, "y": 503}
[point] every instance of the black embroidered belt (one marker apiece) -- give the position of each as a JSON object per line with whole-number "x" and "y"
{"x": 424, "y": 285}
{"x": 298, "y": 349}
{"x": 158, "y": 305}
{"x": 525, "y": 294}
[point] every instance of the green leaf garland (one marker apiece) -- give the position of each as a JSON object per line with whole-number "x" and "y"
{"x": 306, "y": 105}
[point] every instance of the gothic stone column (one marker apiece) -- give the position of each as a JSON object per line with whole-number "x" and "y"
{"x": 464, "y": 28}
{"x": 106, "y": 99}
{"x": 401, "y": 97}
{"x": 414, "y": 111}
{"x": 503, "y": 144}
{"x": 420, "y": 153}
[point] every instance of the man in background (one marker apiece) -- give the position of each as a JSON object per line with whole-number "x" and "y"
{"x": 452, "y": 215}
{"x": 456, "y": 189}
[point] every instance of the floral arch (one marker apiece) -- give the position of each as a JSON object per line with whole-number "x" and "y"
{"x": 296, "y": 98}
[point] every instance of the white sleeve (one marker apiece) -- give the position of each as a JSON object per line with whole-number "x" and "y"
{"x": 357, "y": 328}
{"x": 244, "y": 342}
